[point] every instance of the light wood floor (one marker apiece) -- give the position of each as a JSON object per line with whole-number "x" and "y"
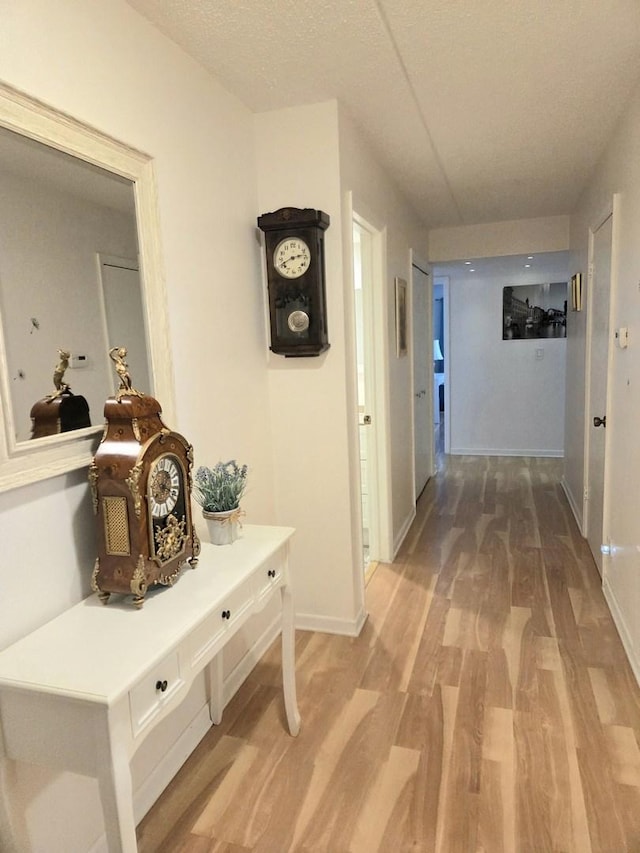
{"x": 487, "y": 705}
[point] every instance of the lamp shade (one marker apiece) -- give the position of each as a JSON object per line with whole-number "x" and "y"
{"x": 437, "y": 352}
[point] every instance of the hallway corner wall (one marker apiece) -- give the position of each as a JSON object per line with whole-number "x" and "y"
{"x": 618, "y": 171}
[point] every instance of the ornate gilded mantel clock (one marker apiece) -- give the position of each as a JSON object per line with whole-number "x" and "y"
{"x": 294, "y": 244}
{"x": 141, "y": 486}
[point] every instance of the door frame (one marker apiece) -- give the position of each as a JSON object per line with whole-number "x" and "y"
{"x": 418, "y": 263}
{"x": 611, "y": 210}
{"x": 444, "y": 281}
{"x": 380, "y": 498}
{"x": 368, "y": 336}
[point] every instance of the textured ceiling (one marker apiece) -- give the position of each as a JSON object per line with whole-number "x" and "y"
{"x": 483, "y": 110}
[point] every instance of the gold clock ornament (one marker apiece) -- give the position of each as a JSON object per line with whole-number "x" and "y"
{"x": 141, "y": 481}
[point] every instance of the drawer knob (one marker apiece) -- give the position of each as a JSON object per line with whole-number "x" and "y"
{"x": 226, "y": 614}
{"x": 161, "y": 686}
{"x": 271, "y": 573}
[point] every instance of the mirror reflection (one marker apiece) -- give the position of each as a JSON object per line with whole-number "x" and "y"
{"x": 69, "y": 287}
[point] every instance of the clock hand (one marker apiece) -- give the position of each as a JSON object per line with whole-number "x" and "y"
{"x": 285, "y": 262}
{"x": 292, "y": 258}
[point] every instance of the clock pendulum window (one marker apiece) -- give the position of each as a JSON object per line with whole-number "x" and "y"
{"x": 140, "y": 480}
{"x": 294, "y": 246}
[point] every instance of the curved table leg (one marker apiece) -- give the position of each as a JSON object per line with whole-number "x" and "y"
{"x": 289, "y": 662}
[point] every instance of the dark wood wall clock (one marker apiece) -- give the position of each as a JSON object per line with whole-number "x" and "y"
{"x": 141, "y": 486}
{"x": 294, "y": 245}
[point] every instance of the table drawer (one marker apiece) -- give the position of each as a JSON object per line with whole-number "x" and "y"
{"x": 268, "y": 577}
{"x": 205, "y": 639}
{"x": 148, "y": 697}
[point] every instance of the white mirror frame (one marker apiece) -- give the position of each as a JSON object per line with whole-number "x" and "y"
{"x": 28, "y": 462}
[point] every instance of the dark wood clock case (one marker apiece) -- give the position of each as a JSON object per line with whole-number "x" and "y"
{"x": 303, "y": 296}
{"x": 63, "y": 413}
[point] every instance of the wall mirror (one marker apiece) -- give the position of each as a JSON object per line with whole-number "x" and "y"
{"x": 80, "y": 271}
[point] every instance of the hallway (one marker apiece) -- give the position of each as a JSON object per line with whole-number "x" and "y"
{"x": 487, "y": 705}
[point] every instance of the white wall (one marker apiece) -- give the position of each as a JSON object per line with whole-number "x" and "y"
{"x": 313, "y": 156}
{"x": 617, "y": 172}
{"x": 298, "y": 166}
{"x": 106, "y": 66}
{"x": 378, "y": 200}
{"x": 503, "y": 399}
{"x": 289, "y": 420}
{"x": 494, "y": 239}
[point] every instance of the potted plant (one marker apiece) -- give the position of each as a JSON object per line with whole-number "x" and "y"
{"x": 218, "y": 491}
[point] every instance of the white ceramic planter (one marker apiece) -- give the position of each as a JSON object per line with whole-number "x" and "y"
{"x": 224, "y": 527}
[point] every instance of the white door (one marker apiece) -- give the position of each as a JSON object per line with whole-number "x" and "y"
{"x": 124, "y": 317}
{"x": 598, "y": 301}
{"x": 422, "y": 379}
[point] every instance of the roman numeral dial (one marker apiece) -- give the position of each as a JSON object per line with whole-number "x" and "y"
{"x": 164, "y": 486}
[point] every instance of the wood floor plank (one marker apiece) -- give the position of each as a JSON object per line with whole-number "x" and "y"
{"x": 386, "y": 807}
{"x": 360, "y": 742}
{"x": 486, "y": 707}
{"x": 496, "y": 822}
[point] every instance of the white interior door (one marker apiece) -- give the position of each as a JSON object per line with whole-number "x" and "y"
{"x": 422, "y": 379}
{"x": 598, "y": 300}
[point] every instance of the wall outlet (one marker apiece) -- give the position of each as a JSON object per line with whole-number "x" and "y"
{"x": 77, "y": 361}
{"x": 622, "y": 337}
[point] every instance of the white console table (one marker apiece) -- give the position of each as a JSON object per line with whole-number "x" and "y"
{"x": 82, "y": 692}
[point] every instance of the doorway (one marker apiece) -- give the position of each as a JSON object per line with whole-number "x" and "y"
{"x": 422, "y": 379}
{"x": 598, "y": 342}
{"x": 441, "y": 373}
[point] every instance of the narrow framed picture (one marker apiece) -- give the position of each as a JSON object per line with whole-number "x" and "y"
{"x": 576, "y": 292}
{"x": 401, "y": 317}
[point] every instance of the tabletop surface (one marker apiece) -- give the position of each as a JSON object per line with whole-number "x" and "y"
{"x": 95, "y": 652}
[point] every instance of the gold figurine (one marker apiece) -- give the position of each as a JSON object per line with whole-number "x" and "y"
{"x": 58, "y": 374}
{"x": 118, "y": 356}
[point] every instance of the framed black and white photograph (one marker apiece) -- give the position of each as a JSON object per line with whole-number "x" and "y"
{"x": 531, "y": 311}
{"x": 401, "y": 317}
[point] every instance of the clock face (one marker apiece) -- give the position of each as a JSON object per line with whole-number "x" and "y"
{"x": 165, "y": 485}
{"x": 291, "y": 257}
{"x": 167, "y": 508}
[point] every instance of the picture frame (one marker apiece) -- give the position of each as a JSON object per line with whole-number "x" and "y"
{"x": 401, "y": 316}
{"x": 576, "y": 292}
{"x": 534, "y": 311}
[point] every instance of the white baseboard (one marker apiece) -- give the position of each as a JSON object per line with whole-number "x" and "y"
{"x": 577, "y": 512}
{"x": 492, "y": 451}
{"x": 625, "y": 636}
{"x": 328, "y": 625}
